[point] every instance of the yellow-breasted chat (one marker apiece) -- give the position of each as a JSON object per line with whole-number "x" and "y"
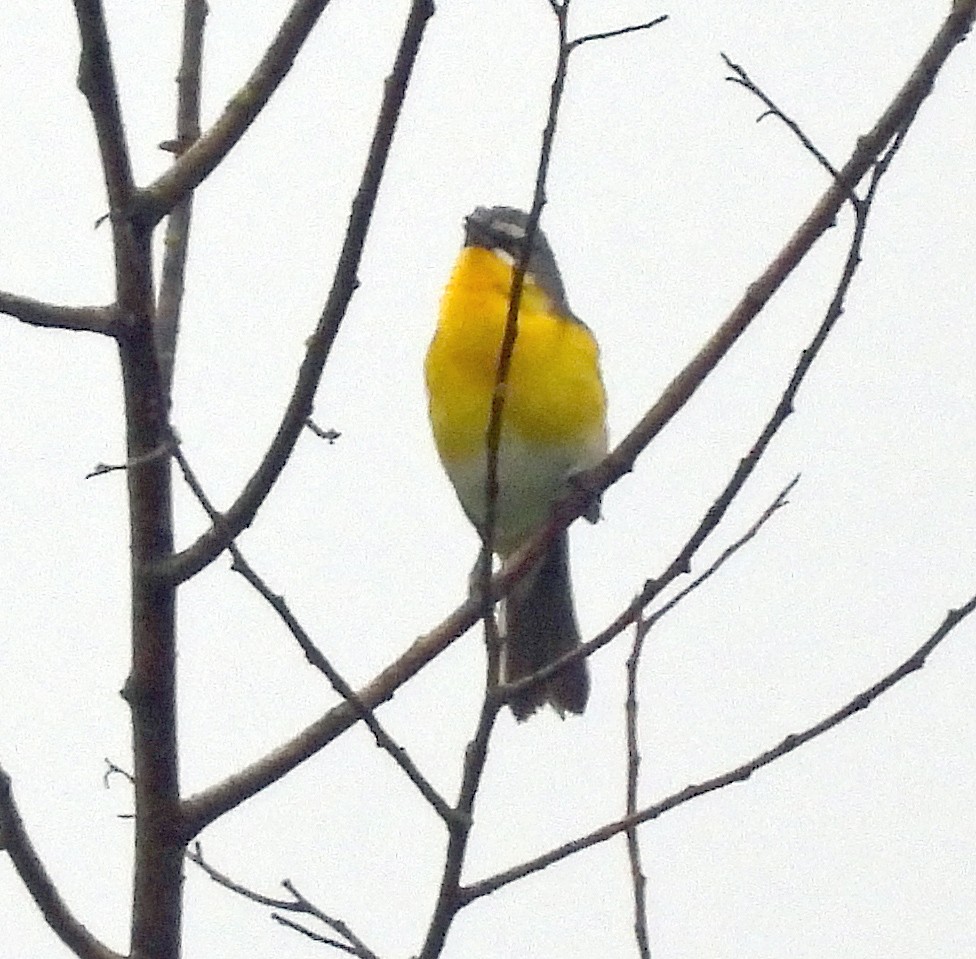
{"x": 553, "y": 424}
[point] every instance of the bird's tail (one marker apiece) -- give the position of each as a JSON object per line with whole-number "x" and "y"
{"x": 539, "y": 626}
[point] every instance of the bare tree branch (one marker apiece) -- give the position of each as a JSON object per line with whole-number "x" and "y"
{"x": 200, "y": 159}
{"x": 314, "y": 936}
{"x": 195, "y": 855}
{"x": 177, "y": 241}
{"x": 297, "y": 904}
{"x": 638, "y": 879}
{"x": 89, "y": 319}
{"x": 212, "y": 543}
{"x": 777, "y": 504}
{"x": 449, "y": 900}
{"x": 96, "y": 80}
{"x": 609, "y": 34}
{"x": 744, "y": 80}
{"x": 16, "y": 843}
{"x": 163, "y": 451}
{"x": 864, "y": 699}
{"x": 359, "y": 948}
{"x": 150, "y": 689}
{"x": 211, "y": 803}
{"x": 315, "y": 656}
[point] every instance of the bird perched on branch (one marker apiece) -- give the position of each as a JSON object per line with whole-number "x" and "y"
{"x": 553, "y": 424}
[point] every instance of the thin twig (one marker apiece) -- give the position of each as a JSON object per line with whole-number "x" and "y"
{"x": 112, "y": 769}
{"x": 359, "y": 948}
{"x": 152, "y": 456}
{"x": 314, "y": 936}
{"x": 864, "y": 699}
{"x": 18, "y": 846}
{"x": 621, "y": 31}
{"x": 726, "y": 554}
{"x": 195, "y": 854}
{"x": 331, "y": 434}
{"x": 638, "y": 879}
{"x": 299, "y": 903}
{"x": 744, "y": 80}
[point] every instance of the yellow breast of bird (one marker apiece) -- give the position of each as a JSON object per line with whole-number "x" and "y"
{"x": 555, "y": 407}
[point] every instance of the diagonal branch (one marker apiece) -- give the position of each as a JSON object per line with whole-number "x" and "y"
{"x": 212, "y": 543}
{"x": 211, "y": 803}
{"x": 619, "y": 32}
{"x": 356, "y": 945}
{"x": 197, "y": 162}
{"x": 315, "y": 656}
{"x": 96, "y": 80}
{"x": 206, "y": 806}
{"x": 299, "y": 903}
{"x": 726, "y": 554}
{"x": 864, "y": 699}
{"x": 744, "y": 80}
{"x": 16, "y": 843}
{"x": 90, "y": 319}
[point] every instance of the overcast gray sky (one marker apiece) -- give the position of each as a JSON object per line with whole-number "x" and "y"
{"x": 665, "y": 200}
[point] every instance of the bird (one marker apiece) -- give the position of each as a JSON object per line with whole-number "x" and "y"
{"x": 553, "y": 425}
